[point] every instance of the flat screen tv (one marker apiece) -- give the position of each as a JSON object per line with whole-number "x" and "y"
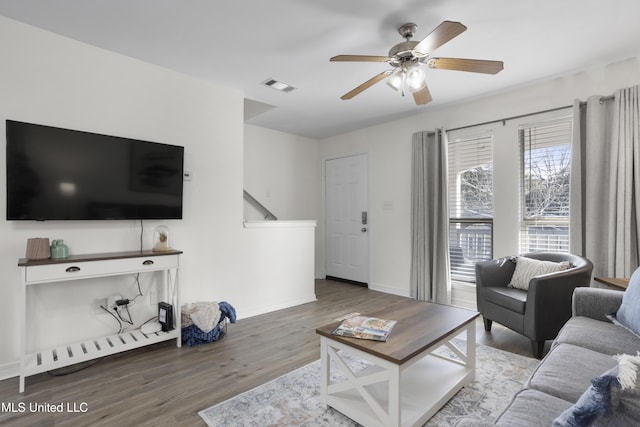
{"x": 63, "y": 174}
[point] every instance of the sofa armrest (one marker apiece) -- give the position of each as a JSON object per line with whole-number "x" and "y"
{"x": 497, "y": 272}
{"x": 596, "y": 303}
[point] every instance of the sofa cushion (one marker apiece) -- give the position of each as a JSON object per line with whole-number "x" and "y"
{"x": 511, "y": 299}
{"x": 628, "y": 314}
{"x": 611, "y": 339}
{"x": 612, "y": 399}
{"x": 567, "y": 370}
{"x": 528, "y": 268}
{"x": 532, "y": 408}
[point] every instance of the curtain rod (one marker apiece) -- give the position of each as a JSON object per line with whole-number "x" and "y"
{"x": 602, "y": 99}
{"x": 510, "y": 118}
{"x": 605, "y": 98}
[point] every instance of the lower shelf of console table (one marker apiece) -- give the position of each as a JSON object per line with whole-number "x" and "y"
{"x": 55, "y": 358}
{"x": 82, "y": 267}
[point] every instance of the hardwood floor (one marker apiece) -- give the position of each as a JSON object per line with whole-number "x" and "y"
{"x": 162, "y": 385}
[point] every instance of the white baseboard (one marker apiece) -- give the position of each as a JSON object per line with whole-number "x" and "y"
{"x": 9, "y": 370}
{"x": 390, "y": 290}
{"x": 264, "y": 310}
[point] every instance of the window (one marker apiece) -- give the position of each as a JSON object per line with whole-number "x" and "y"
{"x": 544, "y": 191}
{"x": 470, "y": 205}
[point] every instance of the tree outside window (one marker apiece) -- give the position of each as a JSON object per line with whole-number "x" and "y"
{"x": 546, "y": 169}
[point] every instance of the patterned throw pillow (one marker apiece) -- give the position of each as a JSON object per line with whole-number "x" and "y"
{"x": 528, "y": 268}
{"x": 613, "y": 399}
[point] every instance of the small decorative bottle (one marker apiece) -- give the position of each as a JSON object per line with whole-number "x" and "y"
{"x": 161, "y": 239}
{"x": 59, "y": 250}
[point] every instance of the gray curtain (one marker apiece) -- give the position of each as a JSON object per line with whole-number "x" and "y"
{"x": 605, "y": 183}
{"x": 430, "y": 277}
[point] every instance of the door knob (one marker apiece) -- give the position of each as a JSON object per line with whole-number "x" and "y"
{"x": 363, "y": 229}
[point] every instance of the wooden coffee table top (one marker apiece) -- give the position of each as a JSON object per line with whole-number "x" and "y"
{"x": 420, "y": 325}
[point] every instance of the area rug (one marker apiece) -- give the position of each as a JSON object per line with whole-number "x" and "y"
{"x": 294, "y": 398}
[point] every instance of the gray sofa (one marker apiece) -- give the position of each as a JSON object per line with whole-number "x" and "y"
{"x": 582, "y": 351}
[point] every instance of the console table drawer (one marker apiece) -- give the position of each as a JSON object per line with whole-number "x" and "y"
{"x": 87, "y": 269}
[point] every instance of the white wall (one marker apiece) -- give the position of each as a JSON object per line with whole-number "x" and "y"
{"x": 389, "y": 148}
{"x": 282, "y": 251}
{"x": 52, "y": 80}
{"x": 282, "y": 172}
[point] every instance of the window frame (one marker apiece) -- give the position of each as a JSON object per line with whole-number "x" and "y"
{"x": 458, "y": 273}
{"x": 526, "y": 244}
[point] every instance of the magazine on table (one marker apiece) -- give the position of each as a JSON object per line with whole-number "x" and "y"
{"x": 365, "y": 327}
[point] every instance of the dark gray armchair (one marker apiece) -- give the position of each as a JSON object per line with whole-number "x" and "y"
{"x": 539, "y": 312}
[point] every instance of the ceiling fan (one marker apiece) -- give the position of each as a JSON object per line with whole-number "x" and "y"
{"x": 409, "y": 57}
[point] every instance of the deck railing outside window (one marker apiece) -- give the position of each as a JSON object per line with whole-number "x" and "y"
{"x": 545, "y": 150}
{"x": 470, "y": 205}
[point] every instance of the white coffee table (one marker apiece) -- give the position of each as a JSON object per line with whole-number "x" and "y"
{"x": 406, "y": 383}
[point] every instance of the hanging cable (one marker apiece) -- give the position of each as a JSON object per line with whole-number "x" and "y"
{"x": 141, "y": 232}
{"x": 115, "y": 317}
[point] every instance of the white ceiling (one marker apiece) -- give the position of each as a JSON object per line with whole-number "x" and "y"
{"x": 241, "y": 43}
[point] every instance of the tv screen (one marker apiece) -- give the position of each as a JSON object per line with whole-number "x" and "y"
{"x": 63, "y": 174}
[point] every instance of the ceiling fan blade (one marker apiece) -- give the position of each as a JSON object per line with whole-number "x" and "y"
{"x": 365, "y": 85}
{"x": 442, "y": 34}
{"x": 359, "y": 58}
{"x": 472, "y": 65}
{"x": 422, "y": 96}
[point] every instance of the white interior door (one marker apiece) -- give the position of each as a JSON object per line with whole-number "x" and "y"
{"x": 346, "y": 210}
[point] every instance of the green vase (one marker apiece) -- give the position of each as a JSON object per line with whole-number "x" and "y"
{"x": 59, "y": 250}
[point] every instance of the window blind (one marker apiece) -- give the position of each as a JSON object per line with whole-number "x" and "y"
{"x": 544, "y": 191}
{"x": 470, "y": 205}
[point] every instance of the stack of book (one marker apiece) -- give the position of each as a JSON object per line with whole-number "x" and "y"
{"x": 364, "y": 327}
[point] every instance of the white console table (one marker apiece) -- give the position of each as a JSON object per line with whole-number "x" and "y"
{"x": 77, "y": 267}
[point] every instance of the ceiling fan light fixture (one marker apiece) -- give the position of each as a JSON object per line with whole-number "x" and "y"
{"x": 415, "y": 89}
{"x": 396, "y": 80}
{"x": 415, "y": 79}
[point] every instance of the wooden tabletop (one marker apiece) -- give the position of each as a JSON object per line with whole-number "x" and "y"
{"x": 24, "y": 262}
{"x": 618, "y": 282}
{"x": 420, "y": 325}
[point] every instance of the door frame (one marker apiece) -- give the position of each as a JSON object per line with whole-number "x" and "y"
{"x": 370, "y": 214}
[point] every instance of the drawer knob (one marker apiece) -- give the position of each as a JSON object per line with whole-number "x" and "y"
{"x": 72, "y": 269}
{"x": 148, "y": 262}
